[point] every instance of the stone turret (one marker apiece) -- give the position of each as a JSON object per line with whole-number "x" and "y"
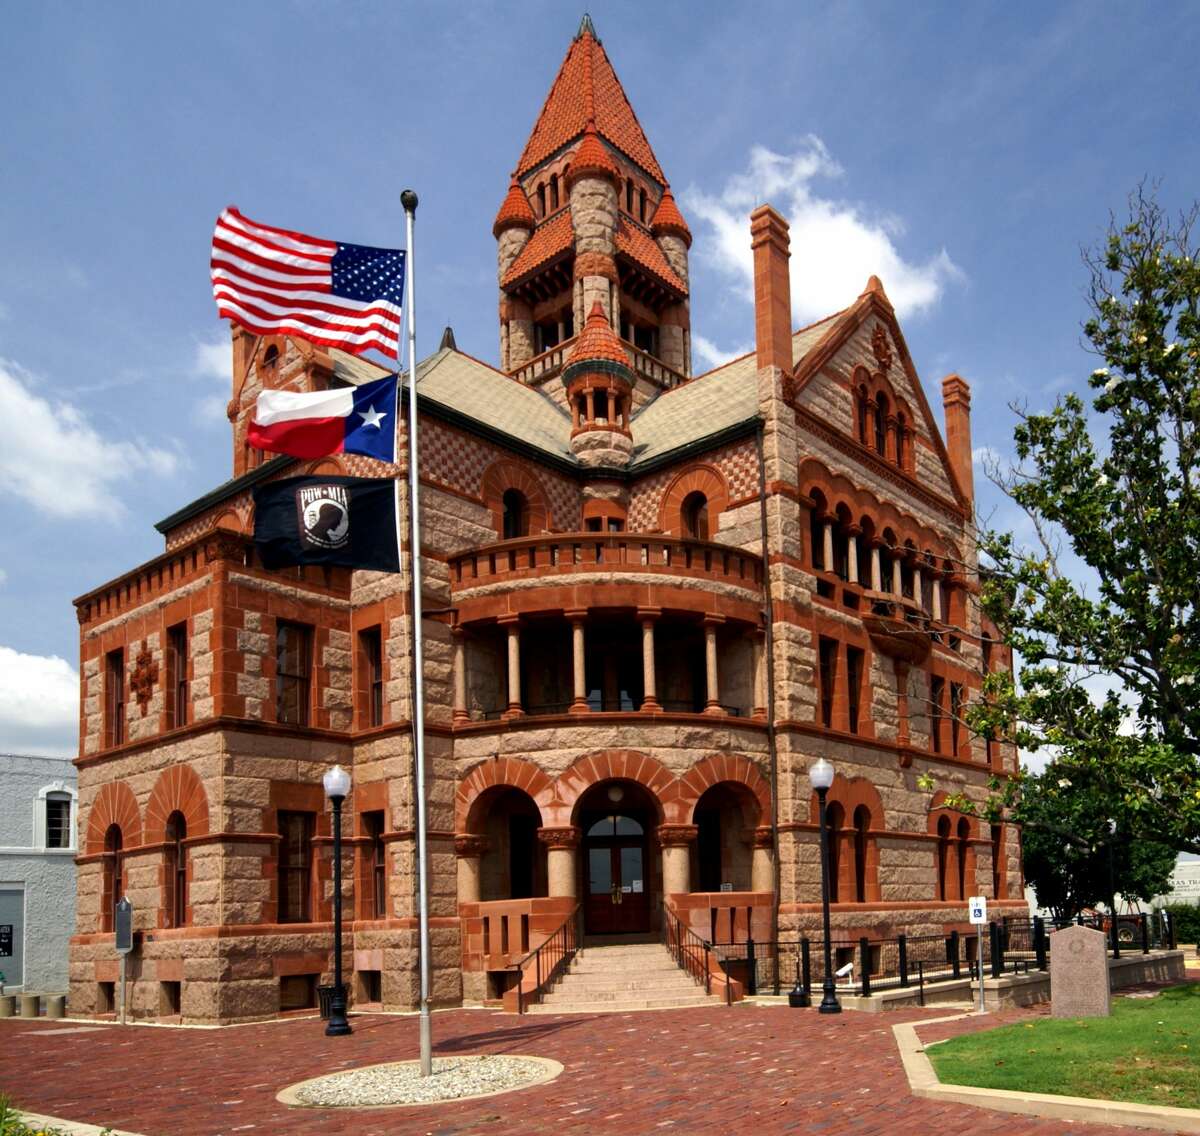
{"x": 592, "y": 180}
{"x": 674, "y": 238}
{"x": 514, "y": 222}
{"x": 599, "y": 384}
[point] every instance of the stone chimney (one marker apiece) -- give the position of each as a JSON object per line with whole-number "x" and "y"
{"x": 772, "y": 289}
{"x": 956, "y": 406}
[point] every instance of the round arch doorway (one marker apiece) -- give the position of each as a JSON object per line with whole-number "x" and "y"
{"x": 616, "y": 818}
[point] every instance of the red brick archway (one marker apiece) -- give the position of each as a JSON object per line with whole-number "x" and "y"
{"x": 114, "y": 804}
{"x": 177, "y": 789}
{"x": 704, "y": 479}
{"x": 857, "y": 853}
{"x": 503, "y": 772}
{"x": 618, "y": 765}
{"x": 725, "y": 767}
{"x": 953, "y": 851}
{"x": 507, "y": 474}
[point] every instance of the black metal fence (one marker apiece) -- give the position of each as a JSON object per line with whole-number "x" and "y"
{"x": 1015, "y": 945}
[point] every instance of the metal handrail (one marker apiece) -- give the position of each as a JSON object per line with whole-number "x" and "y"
{"x": 690, "y": 952}
{"x": 552, "y": 957}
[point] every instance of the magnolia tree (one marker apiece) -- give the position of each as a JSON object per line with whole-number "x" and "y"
{"x": 1108, "y": 654}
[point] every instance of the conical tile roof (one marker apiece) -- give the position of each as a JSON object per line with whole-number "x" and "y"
{"x": 598, "y": 341}
{"x": 668, "y": 219}
{"x": 515, "y": 210}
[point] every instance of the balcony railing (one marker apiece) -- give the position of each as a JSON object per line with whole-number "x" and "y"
{"x": 569, "y": 553}
{"x": 549, "y": 363}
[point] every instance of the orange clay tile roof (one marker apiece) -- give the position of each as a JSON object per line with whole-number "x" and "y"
{"x": 514, "y": 210}
{"x": 592, "y": 158}
{"x": 598, "y": 341}
{"x": 668, "y": 219}
{"x": 636, "y": 244}
{"x": 587, "y": 87}
{"x": 548, "y": 240}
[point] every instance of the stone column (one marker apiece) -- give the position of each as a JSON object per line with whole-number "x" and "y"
{"x": 827, "y": 546}
{"x": 713, "y": 703}
{"x": 512, "y": 627}
{"x": 578, "y": 663}
{"x": 676, "y": 841}
{"x": 918, "y": 586}
{"x": 469, "y": 848}
{"x": 896, "y": 573}
{"x": 876, "y": 570}
{"x": 649, "y": 686}
{"x": 561, "y": 845}
{"x": 852, "y": 556}
{"x": 762, "y": 863}
{"x": 760, "y": 674}
{"x": 460, "y": 676}
{"x": 937, "y": 599}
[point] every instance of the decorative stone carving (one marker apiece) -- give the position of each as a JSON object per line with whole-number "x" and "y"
{"x": 881, "y": 348}
{"x": 468, "y": 844}
{"x": 677, "y": 835}
{"x": 567, "y": 837}
{"x": 224, "y": 545}
{"x": 762, "y": 836}
{"x": 145, "y": 675}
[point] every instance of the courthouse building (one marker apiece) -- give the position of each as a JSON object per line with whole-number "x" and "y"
{"x": 652, "y": 599}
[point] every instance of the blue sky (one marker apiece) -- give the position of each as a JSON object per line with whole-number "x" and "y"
{"x": 963, "y": 152}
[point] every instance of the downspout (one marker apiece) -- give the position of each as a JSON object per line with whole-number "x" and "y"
{"x": 769, "y": 647}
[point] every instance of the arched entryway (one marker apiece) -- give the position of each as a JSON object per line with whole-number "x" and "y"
{"x": 726, "y": 818}
{"x": 509, "y": 860}
{"x": 619, "y": 876}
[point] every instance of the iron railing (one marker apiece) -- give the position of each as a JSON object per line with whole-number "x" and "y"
{"x": 550, "y": 960}
{"x": 690, "y": 952}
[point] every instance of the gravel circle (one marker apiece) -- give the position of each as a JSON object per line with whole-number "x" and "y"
{"x": 400, "y": 1082}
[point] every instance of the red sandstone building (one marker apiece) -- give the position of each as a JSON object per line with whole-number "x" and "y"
{"x": 652, "y": 599}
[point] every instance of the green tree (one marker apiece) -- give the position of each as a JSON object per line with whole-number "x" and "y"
{"x": 1066, "y": 842}
{"x": 1118, "y": 487}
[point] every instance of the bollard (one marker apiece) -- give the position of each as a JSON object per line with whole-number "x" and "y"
{"x": 902, "y": 944}
{"x": 8, "y": 1005}
{"x": 31, "y": 1005}
{"x": 56, "y": 1005}
{"x": 1039, "y": 941}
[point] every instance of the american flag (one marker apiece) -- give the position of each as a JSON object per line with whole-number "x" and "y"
{"x": 272, "y": 281}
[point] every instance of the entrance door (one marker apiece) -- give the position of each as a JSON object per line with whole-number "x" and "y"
{"x": 12, "y": 936}
{"x": 618, "y": 896}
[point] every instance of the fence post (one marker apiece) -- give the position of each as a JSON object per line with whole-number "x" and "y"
{"x": 902, "y": 943}
{"x": 864, "y": 954}
{"x": 805, "y": 967}
{"x": 997, "y": 952}
{"x": 1145, "y": 922}
{"x": 1170, "y": 930}
{"x": 752, "y": 968}
{"x": 1039, "y": 941}
{"x": 952, "y": 953}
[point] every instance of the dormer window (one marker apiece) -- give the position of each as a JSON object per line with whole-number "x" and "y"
{"x": 629, "y": 197}
{"x": 553, "y": 192}
{"x": 642, "y": 206}
{"x": 541, "y": 199}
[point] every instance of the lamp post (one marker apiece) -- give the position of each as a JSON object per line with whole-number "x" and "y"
{"x": 820, "y": 776}
{"x": 337, "y": 786}
{"x": 1113, "y": 931}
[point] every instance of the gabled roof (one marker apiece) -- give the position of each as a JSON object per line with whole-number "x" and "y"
{"x": 587, "y": 87}
{"x": 549, "y": 239}
{"x": 635, "y": 243}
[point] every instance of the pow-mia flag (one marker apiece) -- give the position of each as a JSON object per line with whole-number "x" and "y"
{"x": 327, "y": 520}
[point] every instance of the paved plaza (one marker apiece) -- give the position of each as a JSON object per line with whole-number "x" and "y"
{"x": 760, "y": 1069}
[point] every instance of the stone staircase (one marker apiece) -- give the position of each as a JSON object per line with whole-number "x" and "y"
{"x": 632, "y": 976}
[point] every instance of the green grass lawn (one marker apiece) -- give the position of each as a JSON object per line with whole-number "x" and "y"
{"x": 1148, "y": 1051}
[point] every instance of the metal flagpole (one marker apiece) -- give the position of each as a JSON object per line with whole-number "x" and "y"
{"x": 409, "y": 200}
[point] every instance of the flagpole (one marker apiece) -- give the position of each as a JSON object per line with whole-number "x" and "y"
{"x": 409, "y": 200}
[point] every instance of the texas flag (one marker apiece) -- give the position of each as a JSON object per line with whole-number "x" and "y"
{"x": 348, "y": 420}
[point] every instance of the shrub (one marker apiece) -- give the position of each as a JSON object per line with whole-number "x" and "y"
{"x": 1186, "y": 919}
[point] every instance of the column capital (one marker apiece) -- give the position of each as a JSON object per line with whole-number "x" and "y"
{"x": 644, "y": 613}
{"x": 763, "y": 836}
{"x": 713, "y": 619}
{"x": 511, "y": 620}
{"x": 564, "y": 837}
{"x": 576, "y": 614}
{"x": 468, "y": 844}
{"x": 676, "y": 835}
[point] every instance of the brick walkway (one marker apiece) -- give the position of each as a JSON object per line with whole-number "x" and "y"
{"x": 761, "y": 1069}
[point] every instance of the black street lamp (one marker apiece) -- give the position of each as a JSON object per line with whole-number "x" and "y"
{"x": 1113, "y": 930}
{"x": 820, "y": 775}
{"x": 337, "y": 786}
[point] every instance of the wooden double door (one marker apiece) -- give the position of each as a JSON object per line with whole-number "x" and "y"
{"x": 617, "y": 888}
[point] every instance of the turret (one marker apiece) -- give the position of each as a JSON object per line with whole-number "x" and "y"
{"x": 599, "y": 384}
{"x": 674, "y": 238}
{"x": 514, "y": 222}
{"x": 592, "y": 180}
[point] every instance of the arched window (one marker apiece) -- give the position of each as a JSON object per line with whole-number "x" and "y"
{"x": 881, "y": 414}
{"x": 270, "y": 358}
{"x": 862, "y": 822}
{"x": 901, "y": 434}
{"x": 864, "y": 556}
{"x": 835, "y": 817}
{"x": 860, "y": 399}
{"x": 943, "y": 857}
{"x": 906, "y": 570}
{"x": 175, "y": 872}
{"x": 516, "y": 514}
{"x": 841, "y": 543}
{"x": 553, "y": 191}
{"x": 642, "y": 206}
{"x": 816, "y": 531}
{"x": 629, "y": 200}
{"x": 600, "y": 404}
{"x": 964, "y": 842}
{"x": 111, "y": 885}
{"x": 695, "y": 515}
{"x": 541, "y": 199}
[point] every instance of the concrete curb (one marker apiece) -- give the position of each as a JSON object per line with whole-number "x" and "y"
{"x": 923, "y": 1082}
{"x": 68, "y": 1127}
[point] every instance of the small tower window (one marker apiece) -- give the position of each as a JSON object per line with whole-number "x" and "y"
{"x": 629, "y": 196}
{"x": 270, "y": 358}
{"x": 516, "y": 514}
{"x": 881, "y": 425}
{"x": 642, "y": 206}
{"x": 600, "y": 401}
{"x": 553, "y": 191}
{"x": 695, "y": 516}
{"x": 900, "y": 436}
{"x": 541, "y": 199}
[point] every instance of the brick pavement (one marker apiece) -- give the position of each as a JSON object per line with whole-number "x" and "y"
{"x": 765, "y": 1069}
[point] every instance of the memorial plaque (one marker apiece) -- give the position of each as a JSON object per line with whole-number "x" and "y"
{"x": 124, "y": 926}
{"x": 6, "y": 938}
{"x": 1079, "y": 973}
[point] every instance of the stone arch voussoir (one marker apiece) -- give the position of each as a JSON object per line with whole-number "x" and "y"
{"x": 499, "y": 773}
{"x": 178, "y": 789}
{"x": 114, "y": 804}
{"x": 725, "y": 767}
{"x": 706, "y": 479}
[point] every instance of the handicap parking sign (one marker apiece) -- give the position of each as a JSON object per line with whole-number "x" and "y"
{"x": 978, "y": 909}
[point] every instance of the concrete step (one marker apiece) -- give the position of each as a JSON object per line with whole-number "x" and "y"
{"x": 600, "y": 1007}
{"x": 670, "y": 983}
{"x": 604, "y": 966}
{"x": 572, "y": 994}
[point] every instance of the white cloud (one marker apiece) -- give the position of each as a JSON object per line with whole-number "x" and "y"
{"x": 710, "y": 355}
{"x": 836, "y": 245}
{"x": 3, "y": 577}
{"x": 39, "y": 704}
{"x": 55, "y": 459}
{"x": 212, "y": 364}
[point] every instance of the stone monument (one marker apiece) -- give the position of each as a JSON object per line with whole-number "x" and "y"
{"x": 1079, "y": 974}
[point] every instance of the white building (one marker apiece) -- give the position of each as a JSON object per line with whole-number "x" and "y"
{"x": 37, "y": 871}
